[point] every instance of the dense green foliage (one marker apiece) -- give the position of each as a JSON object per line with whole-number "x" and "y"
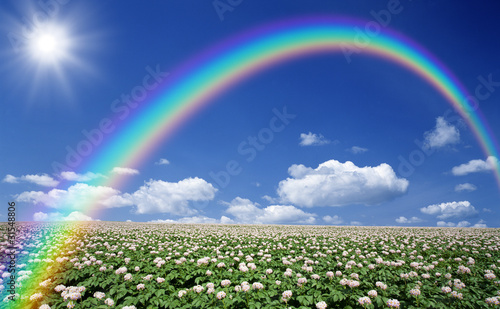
{"x": 175, "y": 266}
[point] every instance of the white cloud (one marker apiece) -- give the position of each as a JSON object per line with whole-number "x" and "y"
{"x": 463, "y": 224}
{"x": 10, "y": 179}
{"x": 129, "y": 220}
{"x": 162, "y": 161}
{"x": 404, "y": 220}
{"x": 226, "y": 220}
{"x": 480, "y": 224}
{"x": 245, "y": 211}
{"x": 335, "y": 220}
{"x": 461, "y": 209}
{"x": 443, "y": 134}
{"x": 445, "y": 224}
{"x": 270, "y": 199}
{"x": 465, "y": 187}
{"x": 357, "y": 223}
{"x": 56, "y": 216}
{"x": 77, "y": 216}
{"x": 285, "y": 214}
{"x": 196, "y": 220}
{"x": 163, "y": 221}
{"x": 125, "y": 171}
{"x": 41, "y": 216}
{"x": 41, "y": 180}
{"x": 474, "y": 166}
{"x": 486, "y": 210}
{"x": 157, "y": 196}
{"x": 334, "y": 183}
{"x": 72, "y": 176}
{"x": 357, "y": 149}
{"x": 116, "y": 201}
{"x": 312, "y": 139}
{"x": 153, "y": 197}
{"x": 75, "y": 197}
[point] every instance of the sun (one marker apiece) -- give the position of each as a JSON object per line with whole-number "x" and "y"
{"x": 52, "y": 58}
{"x": 49, "y": 45}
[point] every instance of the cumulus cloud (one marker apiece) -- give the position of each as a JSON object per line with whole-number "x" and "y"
{"x": 335, "y": 220}
{"x": 245, "y": 211}
{"x": 75, "y": 197}
{"x": 334, "y": 183}
{"x": 72, "y": 176}
{"x": 10, "y": 179}
{"x": 443, "y": 211}
{"x": 125, "y": 171}
{"x": 445, "y": 224}
{"x": 41, "y": 216}
{"x": 157, "y": 196}
{"x": 41, "y": 180}
{"x": 312, "y": 139}
{"x": 479, "y": 224}
{"x": 77, "y": 216}
{"x": 56, "y": 216}
{"x": 226, "y": 220}
{"x": 443, "y": 134}
{"x": 357, "y": 150}
{"x": 196, "y": 220}
{"x": 404, "y": 220}
{"x": 162, "y": 161}
{"x": 465, "y": 187}
{"x": 474, "y": 166}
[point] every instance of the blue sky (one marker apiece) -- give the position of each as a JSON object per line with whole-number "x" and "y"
{"x": 337, "y": 158}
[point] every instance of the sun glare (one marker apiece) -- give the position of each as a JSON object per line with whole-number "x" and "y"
{"x": 49, "y": 45}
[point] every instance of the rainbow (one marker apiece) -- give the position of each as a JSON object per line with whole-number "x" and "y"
{"x": 193, "y": 86}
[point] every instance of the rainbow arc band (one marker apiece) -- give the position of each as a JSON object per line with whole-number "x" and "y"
{"x": 193, "y": 86}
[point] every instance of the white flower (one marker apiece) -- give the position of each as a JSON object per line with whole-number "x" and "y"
{"x": 287, "y": 294}
{"x": 109, "y": 302}
{"x": 393, "y": 303}
{"x": 415, "y": 292}
{"x": 198, "y": 289}
{"x": 364, "y": 300}
{"x": 181, "y": 293}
